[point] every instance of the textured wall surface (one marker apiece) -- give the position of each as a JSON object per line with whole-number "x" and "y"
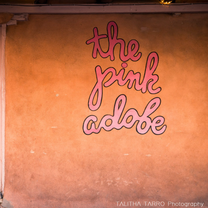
{"x": 5, "y": 17}
{"x": 50, "y": 74}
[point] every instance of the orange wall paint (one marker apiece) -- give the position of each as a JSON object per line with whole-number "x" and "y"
{"x": 50, "y": 74}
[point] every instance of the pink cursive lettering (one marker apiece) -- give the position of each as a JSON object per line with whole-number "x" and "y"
{"x": 106, "y": 78}
{"x": 144, "y": 122}
{"x": 147, "y": 83}
{"x": 112, "y": 33}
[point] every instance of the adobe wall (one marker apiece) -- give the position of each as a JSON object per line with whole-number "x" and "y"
{"x": 56, "y": 155}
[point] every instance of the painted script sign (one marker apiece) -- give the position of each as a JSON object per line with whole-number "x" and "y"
{"x": 122, "y": 117}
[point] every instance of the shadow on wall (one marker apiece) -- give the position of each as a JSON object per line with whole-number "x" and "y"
{"x": 6, "y": 204}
